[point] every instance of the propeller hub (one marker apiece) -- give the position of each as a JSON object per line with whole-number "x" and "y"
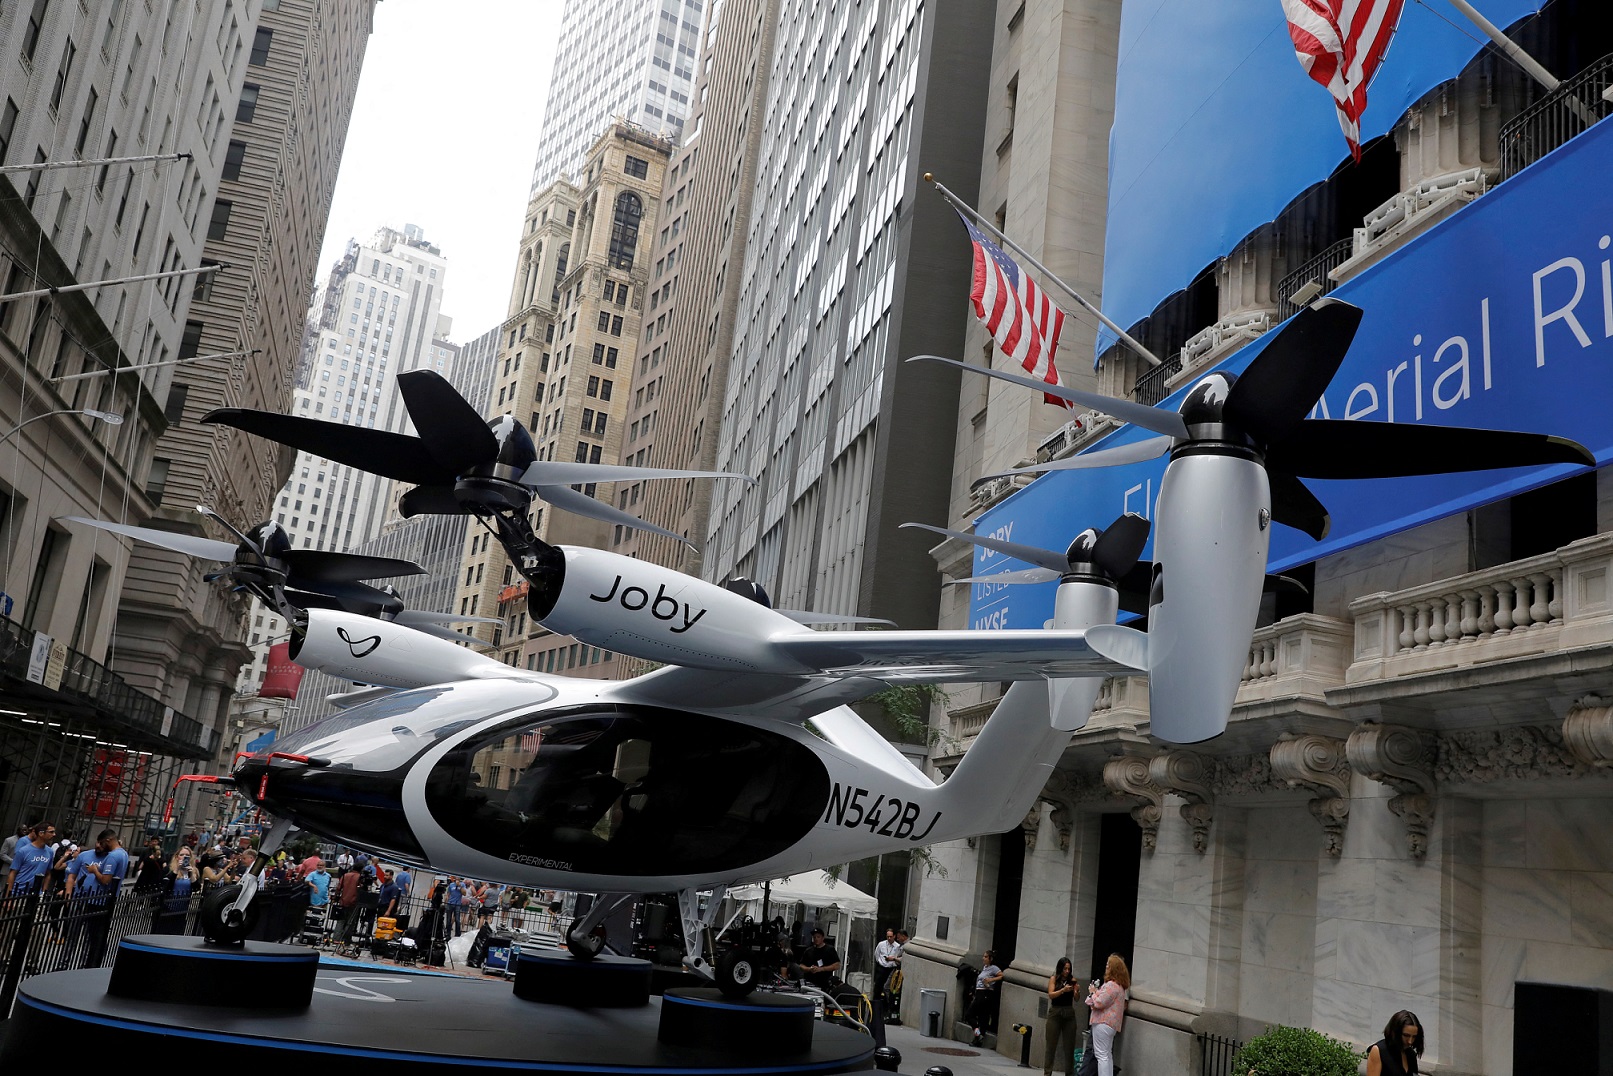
{"x": 493, "y": 492}
{"x": 1206, "y": 401}
{"x": 516, "y": 452}
{"x": 267, "y": 543}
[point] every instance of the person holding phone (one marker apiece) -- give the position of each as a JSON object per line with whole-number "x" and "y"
{"x": 1060, "y": 1032}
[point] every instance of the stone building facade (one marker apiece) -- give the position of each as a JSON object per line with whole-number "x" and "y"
{"x": 146, "y": 649}
{"x": 1401, "y": 813}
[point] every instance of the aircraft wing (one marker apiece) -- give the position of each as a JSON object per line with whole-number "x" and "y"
{"x": 947, "y": 656}
{"x": 851, "y": 665}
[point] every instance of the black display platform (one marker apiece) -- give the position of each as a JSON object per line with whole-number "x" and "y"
{"x": 192, "y": 971}
{"x": 555, "y": 977}
{"x": 388, "y": 1020}
{"x": 772, "y": 1026}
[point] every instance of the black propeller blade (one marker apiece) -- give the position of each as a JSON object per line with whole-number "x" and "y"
{"x": 1267, "y": 405}
{"x": 1293, "y": 505}
{"x": 456, "y": 436}
{"x": 327, "y": 567}
{"x": 390, "y": 455}
{"x": 1117, "y": 547}
{"x": 1113, "y": 551}
{"x": 1281, "y": 385}
{"x": 431, "y": 501}
{"x": 1335, "y": 448}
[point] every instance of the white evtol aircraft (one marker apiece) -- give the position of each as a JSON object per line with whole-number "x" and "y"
{"x": 741, "y": 760}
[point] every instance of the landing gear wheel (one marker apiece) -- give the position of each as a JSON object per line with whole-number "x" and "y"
{"x": 221, "y": 921}
{"x": 586, "y": 946}
{"x": 736, "y": 972}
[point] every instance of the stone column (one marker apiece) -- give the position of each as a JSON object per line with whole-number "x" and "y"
{"x": 1399, "y": 914}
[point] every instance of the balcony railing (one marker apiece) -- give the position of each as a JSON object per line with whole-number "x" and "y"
{"x": 1151, "y": 387}
{"x": 1315, "y": 272}
{"x": 1567, "y": 111}
{"x": 119, "y": 703}
{"x": 1557, "y": 601}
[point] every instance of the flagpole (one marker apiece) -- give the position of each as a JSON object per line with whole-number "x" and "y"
{"x": 1507, "y": 45}
{"x": 968, "y": 210}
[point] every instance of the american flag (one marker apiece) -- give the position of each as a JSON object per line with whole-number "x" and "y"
{"x": 531, "y": 741}
{"x": 1017, "y": 313}
{"x": 1340, "y": 44}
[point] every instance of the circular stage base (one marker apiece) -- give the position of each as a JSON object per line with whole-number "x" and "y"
{"x": 759, "y": 1025}
{"x": 389, "y": 1021}
{"x": 192, "y": 971}
{"x": 555, "y": 977}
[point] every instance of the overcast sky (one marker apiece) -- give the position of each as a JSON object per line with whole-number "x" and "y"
{"x": 444, "y": 135}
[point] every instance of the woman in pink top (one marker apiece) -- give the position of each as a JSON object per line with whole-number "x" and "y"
{"x": 1108, "y": 1005}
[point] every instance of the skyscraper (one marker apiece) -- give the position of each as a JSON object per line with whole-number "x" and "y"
{"x": 851, "y": 268}
{"x": 577, "y": 305}
{"x": 379, "y": 316}
{"x": 695, "y": 281}
{"x": 632, "y": 60}
{"x": 435, "y": 542}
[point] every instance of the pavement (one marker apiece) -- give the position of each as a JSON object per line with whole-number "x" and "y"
{"x": 920, "y": 1053}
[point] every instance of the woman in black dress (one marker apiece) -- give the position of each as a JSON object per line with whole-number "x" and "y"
{"x": 1402, "y": 1044}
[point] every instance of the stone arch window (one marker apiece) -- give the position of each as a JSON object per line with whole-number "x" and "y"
{"x": 560, "y": 259}
{"x": 624, "y": 229}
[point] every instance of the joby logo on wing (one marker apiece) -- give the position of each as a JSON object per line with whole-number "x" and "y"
{"x": 359, "y": 647}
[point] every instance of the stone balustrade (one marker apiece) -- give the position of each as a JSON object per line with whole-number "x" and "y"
{"x": 1299, "y": 655}
{"x": 965, "y": 724}
{"x": 1556, "y": 601}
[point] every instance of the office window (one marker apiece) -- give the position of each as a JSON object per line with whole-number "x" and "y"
{"x": 85, "y": 121}
{"x": 63, "y": 70}
{"x": 247, "y": 107}
{"x": 220, "y": 224}
{"x": 8, "y": 127}
{"x": 636, "y": 168}
{"x": 233, "y": 156}
{"x": 260, "y": 47}
{"x": 36, "y": 22}
{"x": 625, "y": 220}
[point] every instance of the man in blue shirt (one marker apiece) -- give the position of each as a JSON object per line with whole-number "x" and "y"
{"x": 32, "y": 860}
{"x": 319, "y": 881}
{"x": 92, "y": 884}
{"x": 456, "y": 904}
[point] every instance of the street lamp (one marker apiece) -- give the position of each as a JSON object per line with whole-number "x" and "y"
{"x": 111, "y": 418}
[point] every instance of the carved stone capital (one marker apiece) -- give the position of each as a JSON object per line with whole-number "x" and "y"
{"x": 1332, "y": 812}
{"x": 1032, "y": 826}
{"x": 1319, "y": 764}
{"x": 1063, "y": 820}
{"x": 1417, "y": 812}
{"x": 1199, "y": 816}
{"x": 1188, "y": 775}
{"x": 1588, "y": 731}
{"x": 1148, "y": 817}
{"x": 1128, "y": 777}
{"x": 1403, "y": 759}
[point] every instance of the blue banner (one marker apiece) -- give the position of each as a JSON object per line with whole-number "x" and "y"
{"x": 1217, "y": 128}
{"x": 1499, "y": 317}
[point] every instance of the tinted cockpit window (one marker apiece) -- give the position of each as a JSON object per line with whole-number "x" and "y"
{"x": 384, "y": 734}
{"x": 631, "y": 792}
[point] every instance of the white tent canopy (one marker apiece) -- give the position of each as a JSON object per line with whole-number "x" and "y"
{"x": 815, "y": 889}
